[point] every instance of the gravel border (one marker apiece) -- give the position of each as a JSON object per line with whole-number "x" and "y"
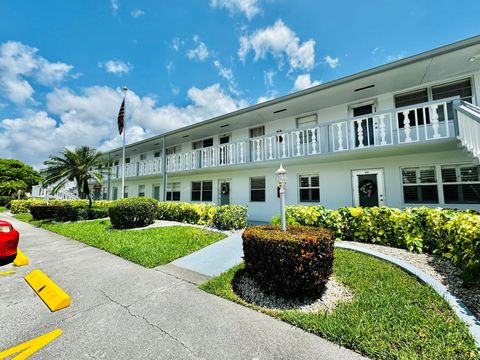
{"x": 335, "y": 293}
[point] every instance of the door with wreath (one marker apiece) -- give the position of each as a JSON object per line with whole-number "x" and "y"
{"x": 224, "y": 192}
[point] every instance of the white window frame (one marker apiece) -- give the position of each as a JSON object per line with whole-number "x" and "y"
{"x": 171, "y": 189}
{"x": 140, "y": 192}
{"x": 201, "y": 190}
{"x": 309, "y": 187}
{"x": 256, "y": 189}
{"x": 457, "y": 167}
{"x": 436, "y": 184}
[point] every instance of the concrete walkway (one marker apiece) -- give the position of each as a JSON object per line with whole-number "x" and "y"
{"x": 121, "y": 310}
{"x": 216, "y": 258}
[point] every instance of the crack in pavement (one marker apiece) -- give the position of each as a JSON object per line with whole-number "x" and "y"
{"x": 163, "y": 331}
{"x": 175, "y": 276}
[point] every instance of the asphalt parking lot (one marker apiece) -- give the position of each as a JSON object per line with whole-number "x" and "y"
{"x": 121, "y": 310}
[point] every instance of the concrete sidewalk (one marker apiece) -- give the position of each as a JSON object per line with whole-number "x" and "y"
{"x": 121, "y": 310}
{"x": 216, "y": 258}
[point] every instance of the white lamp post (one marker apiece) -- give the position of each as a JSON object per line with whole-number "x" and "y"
{"x": 281, "y": 174}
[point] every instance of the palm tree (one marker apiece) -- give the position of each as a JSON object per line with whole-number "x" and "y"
{"x": 80, "y": 165}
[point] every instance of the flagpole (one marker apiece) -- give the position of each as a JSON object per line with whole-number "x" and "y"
{"x": 125, "y": 89}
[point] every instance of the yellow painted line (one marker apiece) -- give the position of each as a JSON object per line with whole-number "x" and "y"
{"x": 7, "y": 272}
{"x": 51, "y": 294}
{"x": 31, "y": 346}
{"x": 20, "y": 259}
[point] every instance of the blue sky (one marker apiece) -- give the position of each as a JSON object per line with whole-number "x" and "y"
{"x": 62, "y": 63}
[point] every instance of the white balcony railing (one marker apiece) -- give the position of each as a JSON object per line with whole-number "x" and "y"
{"x": 468, "y": 117}
{"x": 416, "y": 123}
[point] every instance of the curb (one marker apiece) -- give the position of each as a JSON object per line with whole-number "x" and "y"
{"x": 462, "y": 311}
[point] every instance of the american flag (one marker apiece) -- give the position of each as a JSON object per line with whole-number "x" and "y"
{"x": 121, "y": 118}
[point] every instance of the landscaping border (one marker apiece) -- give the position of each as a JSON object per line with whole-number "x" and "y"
{"x": 462, "y": 311}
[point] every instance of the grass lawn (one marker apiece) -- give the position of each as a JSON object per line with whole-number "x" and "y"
{"x": 393, "y": 316}
{"x": 149, "y": 247}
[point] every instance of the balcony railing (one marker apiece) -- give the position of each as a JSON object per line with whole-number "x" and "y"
{"x": 417, "y": 123}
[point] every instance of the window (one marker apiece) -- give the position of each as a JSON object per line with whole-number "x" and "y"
{"x": 173, "y": 191}
{"x": 143, "y": 157}
{"x": 412, "y": 98}
{"x": 461, "y": 88}
{"x": 202, "y": 143}
{"x": 306, "y": 121}
{"x": 127, "y": 160}
{"x": 257, "y": 131}
{"x": 202, "y": 190}
{"x": 156, "y": 192}
{"x": 141, "y": 190}
{"x": 224, "y": 139}
{"x": 309, "y": 188}
{"x": 420, "y": 185}
{"x": 174, "y": 150}
{"x": 157, "y": 154}
{"x": 125, "y": 191}
{"x": 257, "y": 189}
{"x": 116, "y": 162}
{"x": 461, "y": 184}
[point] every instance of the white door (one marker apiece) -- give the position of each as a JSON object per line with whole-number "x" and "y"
{"x": 368, "y": 187}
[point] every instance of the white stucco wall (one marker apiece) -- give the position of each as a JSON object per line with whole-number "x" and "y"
{"x": 335, "y": 181}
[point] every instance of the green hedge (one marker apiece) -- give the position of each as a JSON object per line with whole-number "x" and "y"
{"x": 224, "y": 217}
{"x": 293, "y": 264}
{"x": 23, "y": 206}
{"x": 66, "y": 212}
{"x": 452, "y": 233}
{"x": 133, "y": 212}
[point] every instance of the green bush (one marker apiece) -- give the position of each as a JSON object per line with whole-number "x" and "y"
{"x": 66, "y": 212}
{"x": 133, "y": 212}
{"x": 222, "y": 217}
{"x": 229, "y": 217}
{"x": 293, "y": 264}
{"x": 23, "y": 206}
{"x": 5, "y": 200}
{"x": 452, "y": 233}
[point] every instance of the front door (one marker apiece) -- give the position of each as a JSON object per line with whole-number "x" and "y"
{"x": 368, "y": 187}
{"x": 224, "y": 192}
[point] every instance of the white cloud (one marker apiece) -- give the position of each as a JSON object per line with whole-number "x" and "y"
{"x": 282, "y": 43}
{"x": 331, "y": 61}
{"x": 391, "y": 58}
{"x": 249, "y": 8}
{"x": 136, "y": 13}
{"x": 170, "y": 66}
{"x": 89, "y": 118}
{"x": 116, "y": 67}
{"x": 19, "y": 63}
{"x": 264, "y": 98}
{"x": 200, "y": 52}
{"x": 304, "y": 81}
{"x": 268, "y": 77}
{"x": 227, "y": 74}
{"x": 176, "y": 43}
{"x": 115, "y": 6}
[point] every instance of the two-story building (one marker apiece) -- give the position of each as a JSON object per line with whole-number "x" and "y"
{"x": 386, "y": 136}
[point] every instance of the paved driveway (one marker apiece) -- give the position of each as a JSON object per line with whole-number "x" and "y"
{"x": 121, "y": 310}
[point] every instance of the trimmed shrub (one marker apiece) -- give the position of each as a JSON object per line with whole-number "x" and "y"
{"x": 23, "y": 206}
{"x": 229, "y": 217}
{"x": 45, "y": 212}
{"x": 224, "y": 217}
{"x": 133, "y": 212}
{"x": 293, "y": 264}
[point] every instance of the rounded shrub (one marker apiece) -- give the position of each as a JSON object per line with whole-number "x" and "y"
{"x": 230, "y": 217}
{"x": 133, "y": 212}
{"x": 292, "y": 264}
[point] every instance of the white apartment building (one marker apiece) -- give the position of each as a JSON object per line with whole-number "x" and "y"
{"x": 401, "y": 134}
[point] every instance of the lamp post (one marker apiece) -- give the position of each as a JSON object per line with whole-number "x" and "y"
{"x": 281, "y": 174}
